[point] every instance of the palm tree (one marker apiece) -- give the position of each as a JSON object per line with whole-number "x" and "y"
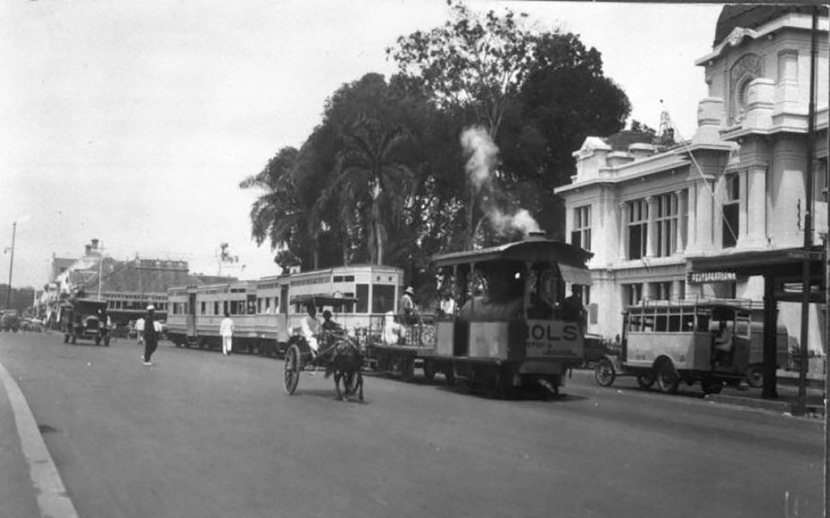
{"x": 370, "y": 173}
{"x": 279, "y": 215}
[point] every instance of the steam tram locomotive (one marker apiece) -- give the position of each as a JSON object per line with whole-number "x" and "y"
{"x": 511, "y": 330}
{"x": 267, "y": 312}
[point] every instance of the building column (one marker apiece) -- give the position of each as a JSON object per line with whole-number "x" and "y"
{"x": 682, "y": 210}
{"x": 652, "y": 230}
{"x": 753, "y": 228}
{"x": 677, "y": 289}
{"x": 623, "y": 231}
{"x": 704, "y": 225}
{"x": 691, "y": 220}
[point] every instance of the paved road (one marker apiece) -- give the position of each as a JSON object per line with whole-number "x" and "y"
{"x": 200, "y": 434}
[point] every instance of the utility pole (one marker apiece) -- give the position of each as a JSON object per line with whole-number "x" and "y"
{"x": 100, "y": 267}
{"x": 11, "y": 266}
{"x": 801, "y": 405}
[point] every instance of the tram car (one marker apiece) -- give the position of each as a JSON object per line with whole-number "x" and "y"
{"x": 512, "y": 329}
{"x": 268, "y": 312}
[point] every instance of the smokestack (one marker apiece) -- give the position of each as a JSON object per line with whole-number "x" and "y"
{"x": 94, "y": 244}
{"x": 535, "y": 236}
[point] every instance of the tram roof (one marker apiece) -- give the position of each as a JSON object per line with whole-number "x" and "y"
{"x": 323, "y": 299}
{"x": 534, "y": 249}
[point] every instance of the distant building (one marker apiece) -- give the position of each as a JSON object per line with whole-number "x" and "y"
{"x": 710, "y": 216}
{"x": 127, "y": 286}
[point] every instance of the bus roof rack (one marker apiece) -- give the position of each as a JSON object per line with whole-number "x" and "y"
{"x": 714, "y": 301}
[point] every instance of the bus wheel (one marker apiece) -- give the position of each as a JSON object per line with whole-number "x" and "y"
{"x": 604, "y": 373}
{"x": 667, "y": 378}
{"x": 645, "y": 381}
{"x": 755, "y": 376}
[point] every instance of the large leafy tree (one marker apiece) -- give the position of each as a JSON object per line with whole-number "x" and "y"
{"x": 370, "y": 165}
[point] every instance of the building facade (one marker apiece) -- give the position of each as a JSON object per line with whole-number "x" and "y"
{"x": 649, "y": 210}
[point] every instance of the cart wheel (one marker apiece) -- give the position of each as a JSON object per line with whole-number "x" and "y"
{"x": 755, "y": 376}
{"x": 429, "y": 370}
{"x": 291, "y": 371}
{"x": 645, "y": 381}
{"x": 604, "y": 373}
{"x": 667, "y": 378}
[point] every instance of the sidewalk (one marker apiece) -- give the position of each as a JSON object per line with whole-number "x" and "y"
{"x": 787, "y": 401}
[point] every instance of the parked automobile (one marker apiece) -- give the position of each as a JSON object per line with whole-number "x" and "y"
{"x": 10, "y": 320}
{"x": 82, "y": 319}
{"x": 31, "y": 324}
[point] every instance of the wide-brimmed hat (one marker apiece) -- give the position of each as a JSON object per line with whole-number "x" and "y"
{"x": 151, "y": 307}
{"x": 409, "y": 290}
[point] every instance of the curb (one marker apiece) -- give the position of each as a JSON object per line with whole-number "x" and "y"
{"x": 781, "y": 407}
{"x": 50, "y": 492}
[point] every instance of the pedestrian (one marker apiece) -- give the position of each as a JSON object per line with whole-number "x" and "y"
{"x": 226, "y": 330}
{"x": 152, "y": 330}
{"x": 139, "y": 331}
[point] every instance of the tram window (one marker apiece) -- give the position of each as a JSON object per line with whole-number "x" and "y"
{"x": 362, "y": 291}
{"x": 234, "y": 307}
{"x": 383, "y": 298}
{"x": 349, "y": 278}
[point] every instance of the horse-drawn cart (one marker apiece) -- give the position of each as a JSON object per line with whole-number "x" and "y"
{"x": 338, "y": 354}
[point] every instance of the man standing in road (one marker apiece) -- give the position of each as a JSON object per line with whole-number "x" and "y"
{"x": 139, "y": 331}
{"x": 226, "y": 330}
{"x": 151, "y": 334}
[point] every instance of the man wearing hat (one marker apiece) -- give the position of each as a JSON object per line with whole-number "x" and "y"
{"x": 151, "y": 334}
{"x": 408, "y": 306}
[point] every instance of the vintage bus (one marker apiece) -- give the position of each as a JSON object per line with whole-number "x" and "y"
{"x": 711, "y": 342}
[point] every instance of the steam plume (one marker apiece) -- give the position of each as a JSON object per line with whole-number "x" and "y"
{"x": 483, "y": 159}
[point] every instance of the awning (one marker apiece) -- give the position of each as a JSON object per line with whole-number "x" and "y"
{"x": 575, "y": 275}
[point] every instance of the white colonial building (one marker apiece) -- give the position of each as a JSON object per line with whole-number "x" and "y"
{"x": 735, "y": 193}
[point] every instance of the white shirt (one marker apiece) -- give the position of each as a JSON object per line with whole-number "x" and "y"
{"x": 448, "y": 306}
{"x": 391, "y": 329}
{"x": 226, "y": 328}
{"x": 310, "y": 326}
{"x": 139, "y": 324}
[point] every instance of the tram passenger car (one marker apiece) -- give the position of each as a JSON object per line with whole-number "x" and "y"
{"x": 268, "y": 312}
{"x": 669, "y": 342}
{"x": 511, "y": 330}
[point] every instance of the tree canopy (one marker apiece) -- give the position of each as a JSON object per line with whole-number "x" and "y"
{"x": 394, "y": 173}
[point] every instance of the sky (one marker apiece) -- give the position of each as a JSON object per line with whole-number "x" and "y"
{"x": 134, "y": 122}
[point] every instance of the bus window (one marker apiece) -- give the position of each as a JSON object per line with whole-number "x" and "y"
{"x": 648, "y": 324}
{"x": 703, "y": 323}
{"x": 634, "y": 323}
{"x": 674, "y": 323}
{"x": 687, "y": 321}
{"x": 662, "y": 323}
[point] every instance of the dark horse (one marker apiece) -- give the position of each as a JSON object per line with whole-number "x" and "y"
{"x": 347, "y": 365}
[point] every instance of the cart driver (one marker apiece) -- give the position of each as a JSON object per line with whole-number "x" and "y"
{"x": 311, "y": 328}
{"x": 328, "y": 323}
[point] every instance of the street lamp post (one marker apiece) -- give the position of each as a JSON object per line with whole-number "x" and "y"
{"x": 11, "y": 266}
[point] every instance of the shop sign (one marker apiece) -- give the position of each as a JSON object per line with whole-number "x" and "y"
{"x": 710, "y": 277}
